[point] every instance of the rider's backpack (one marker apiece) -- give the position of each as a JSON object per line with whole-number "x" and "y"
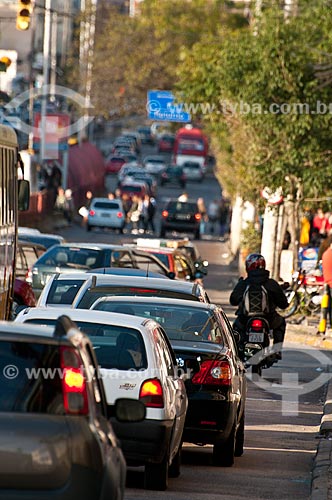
{"x": 255, "y": 300}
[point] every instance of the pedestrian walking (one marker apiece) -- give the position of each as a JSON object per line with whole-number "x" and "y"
{"x": 203, "y": 213}
{"x": 213, "y": 213}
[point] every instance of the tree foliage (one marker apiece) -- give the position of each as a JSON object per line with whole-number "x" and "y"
{"x": 133, "y": 55}
{"x": 264, "y": 93}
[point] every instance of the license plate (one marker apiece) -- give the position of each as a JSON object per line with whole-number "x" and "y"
{"x": 106, "y": 215}
{"x": 182, "y": 216}
{"x": 256, "y": 337}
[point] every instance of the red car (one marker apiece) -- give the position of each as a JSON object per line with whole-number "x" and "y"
{"x": 114, "y": 164}
{"x": 23, "y": 295}
{"x": 166, "y": 143}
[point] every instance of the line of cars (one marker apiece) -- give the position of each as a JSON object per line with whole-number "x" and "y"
{"x": 148, "y": 339}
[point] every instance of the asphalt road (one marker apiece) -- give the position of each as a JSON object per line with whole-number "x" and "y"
{"x": 283, "y": 409}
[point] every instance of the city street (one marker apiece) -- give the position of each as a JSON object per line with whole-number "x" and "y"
{"x": 281, "y": 428}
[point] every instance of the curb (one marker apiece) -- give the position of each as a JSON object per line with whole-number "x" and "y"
{"x": 308, "y": 336}
{"x": 321, "y": 482}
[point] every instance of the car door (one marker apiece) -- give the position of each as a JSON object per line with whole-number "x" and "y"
{"x": 176, "y": 399}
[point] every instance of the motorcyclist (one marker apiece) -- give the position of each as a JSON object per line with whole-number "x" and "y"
{"x": 257, "y": 274}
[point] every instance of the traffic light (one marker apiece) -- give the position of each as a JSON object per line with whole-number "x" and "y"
{"x": 5, "y": 62}
{"x": 24, "y": 14}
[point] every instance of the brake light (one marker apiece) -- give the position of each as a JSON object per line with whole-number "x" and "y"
{"x": 119, "y": 215}
{"x": 143, "y": 290}
{"x": 151, "y": 393}
{"x": 198, "y": 216}
{"x": 164, "y": 213}
{"x": 92, "y": 213}
{"x": 257, "y": 324}
{"x": 213, "y": 372}
{"x": 75, "y": 397}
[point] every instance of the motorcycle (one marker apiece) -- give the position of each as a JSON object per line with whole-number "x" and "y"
{"x": 258, "y": 351}
{"x": 304, "y": 293}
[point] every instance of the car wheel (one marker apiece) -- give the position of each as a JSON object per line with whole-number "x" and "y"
{"x": 239, "y": 442}
{"x": 162, "y": 232}
{"x": 224, "y": 451}
{"x": 197, "y": 235}
{"x": 156, "y": 475}
{"x": 174, "y": 469}
{"x": 88, "y": 227}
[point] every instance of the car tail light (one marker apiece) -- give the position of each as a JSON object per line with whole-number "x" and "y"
{"x": 257, "y": 324}
{"x": 75, "y": 397}
{"x": 119, "y": 215}
{"x": 213, "y": 372}
{"x": 151, "y": 393}
{"x": 92, "y": 213}
{"x": 143, "y": 290}
{"x": 164, "y": 213}
{"x": 198, "y": 216}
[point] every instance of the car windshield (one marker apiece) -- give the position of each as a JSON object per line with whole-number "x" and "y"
{"x": 92, "y": 294}
{"x": 179, "y": 322}
{"x": 131, "y": 189}
{"x": 106, "y": 205}
{"x": 116, "y": 347}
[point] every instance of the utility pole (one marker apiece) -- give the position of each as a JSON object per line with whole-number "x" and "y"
{"x": 46, "y": 53}
{"x": 53, "y": 55}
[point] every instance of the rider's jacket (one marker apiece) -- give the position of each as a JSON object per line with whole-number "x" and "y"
{"x": 276, "y": 296}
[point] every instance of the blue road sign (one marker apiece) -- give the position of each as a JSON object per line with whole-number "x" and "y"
{"x": 161, "y": 105}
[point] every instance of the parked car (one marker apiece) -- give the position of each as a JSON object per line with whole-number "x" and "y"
{"x": 193, "y": 171}
{"x": 61, "y": 442}
{"x": 113, "y": 164}
{"x": 76, "y": 257}
{"x": 81, "y": 290}
{"x": 137, "y": 362}
{"x": 173, "y": 175}
{"x": 206, "y": 350}
{"x": 182, "y": 216}
{"x": 44, "y": 239}
{"x": 166, "y": 143}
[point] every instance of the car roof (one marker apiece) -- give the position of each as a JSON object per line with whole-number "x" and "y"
{"x": 159, "y": 301}
{"x": 11, "y": 327}
{"x": 107, "y": 318}
{"x": 139, "y": 281}
{"x": 127, "y": 271}
{"x": 91, "y": 246}
{"x": 27, "y": 243}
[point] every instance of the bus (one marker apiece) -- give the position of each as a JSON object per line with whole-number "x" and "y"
{"x": 14, "y": 196}
{"x": 190, "y": 145}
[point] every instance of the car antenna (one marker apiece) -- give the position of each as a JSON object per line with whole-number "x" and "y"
{"x": 147, "y": 270}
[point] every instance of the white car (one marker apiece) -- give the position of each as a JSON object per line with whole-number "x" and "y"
{"x": 154, "y": 165}
{"x": 80, "y": 289}
{"x": 193, "y": 171}
{"x": 136, "y": 361}
{"x": 129, "y": 169}
{"x": 104, "y": 212}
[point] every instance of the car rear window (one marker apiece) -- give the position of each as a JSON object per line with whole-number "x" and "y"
{"x": 92, "y": 294}
{"x": 33, "y": 383}
{"x": 63, "y": 291}
{"x": 131, "y": 189}
{"x": 179, "y": 322}
{"x": 72, "y": 257}
{"x": 178, "y": 206}
{"x": 115, "y": 346}
{"x": 105, "y": 205}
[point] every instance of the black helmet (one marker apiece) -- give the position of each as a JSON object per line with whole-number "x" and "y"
{"x": 255, "y": 261}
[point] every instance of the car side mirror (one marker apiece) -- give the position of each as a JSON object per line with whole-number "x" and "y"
{"x": 129, "y": 410}
{"x": 171, "y": 275}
